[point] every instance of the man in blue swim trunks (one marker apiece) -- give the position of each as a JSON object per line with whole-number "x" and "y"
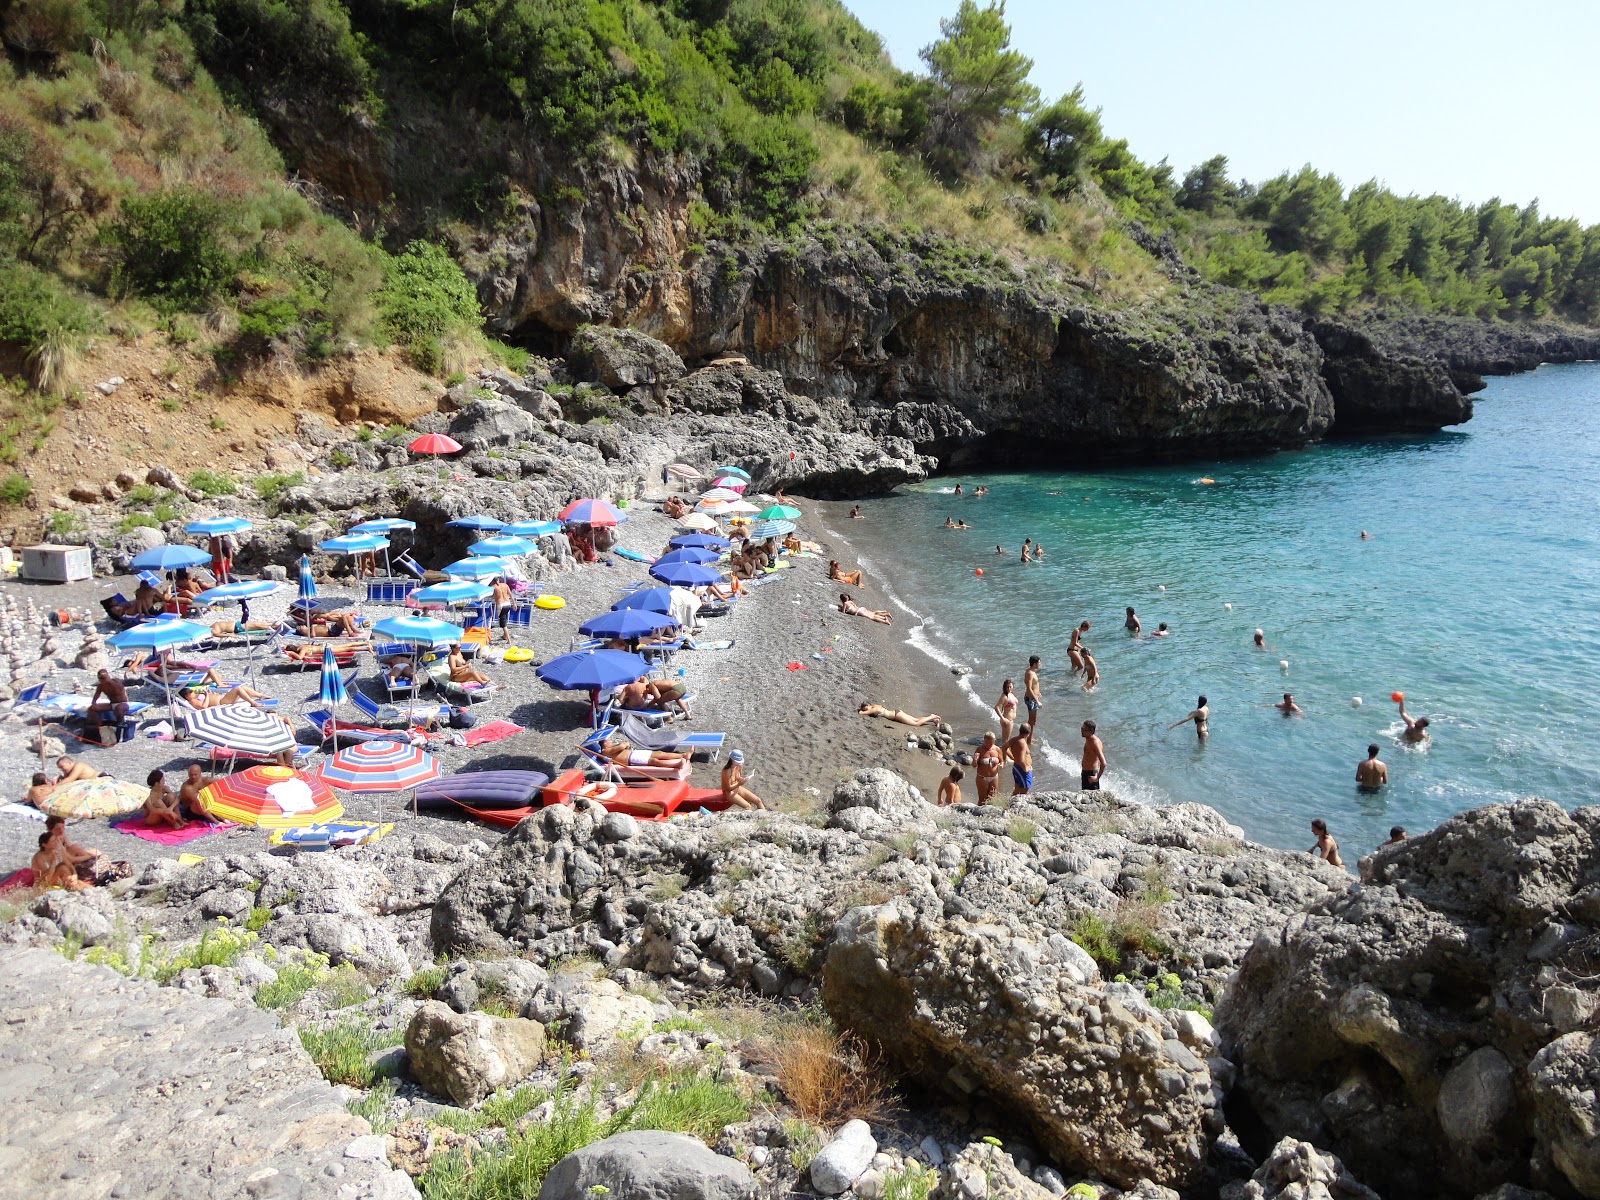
{"x": 1030, "y": 690}
{"x": 1020, "y": 751}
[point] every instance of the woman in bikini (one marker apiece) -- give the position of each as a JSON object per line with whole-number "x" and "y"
{"x": 868, "y": 709}
{"x": 238, "y": 694}
{"x": 1075, "y": 648}
{"x": 988, "y": 761}
{"x": 847, "y": 605}
{"x": 461, "y": 671}
{"x": 840, "y": 575}
{"x": 1006, "y": 709}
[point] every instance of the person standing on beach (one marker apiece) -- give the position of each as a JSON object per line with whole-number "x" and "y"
{"x": 1325, "y": 848}
{"x": 1005, "y": 709}
{"x": 500, "y": 592}
{"x": 1131, "y": 624}
{"x": 1020, "y": 751}
{"x": 1093, "y": 764}
{"x": 987, "y": 763}
{"x": 1091, "y": 673}
{"x": 1201, "y": 716}
{"x": 1371, "y": 774}
{"x": 1075, "y": 647}
{"x": 1030, "y": 691}
{"x": 950, "y": 788}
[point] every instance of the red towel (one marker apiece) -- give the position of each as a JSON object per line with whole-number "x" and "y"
{"x": 166, "y": 835}
{"x": 16, "y": 881}
{"x": 494, "y": 731}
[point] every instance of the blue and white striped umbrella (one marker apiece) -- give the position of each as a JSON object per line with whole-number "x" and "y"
{"x": 476, "y": 521}
{"x": 170, "y": 558}
{"x": 476, "y": 568}
{"x": 330, "y": 683}
{"x": 244, "y": 589}
{"x": 454, "y": 591}
{"x": 241, "y": 727}
{"x": 308, "y": 585}
{"x": 418, "y": 631}
{"x": 354, "y": 543}
{"x": 382, "y": 525}
{"x": 211, "y": 526}
{"x": 766, "y": 529}
{"x": 501, "y": 546}
{"x": 159, "y": 635}
{"x": 531, "y": 529}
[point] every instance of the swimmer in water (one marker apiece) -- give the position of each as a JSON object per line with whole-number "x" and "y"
{"x": 1027, "y": 549}
{"x": 1091, "y": 673}
{"x": 1371, "y": 773}
{"x": 1326, "y": 848}
{"x": 1259, "y": 640}
{"x": 1201, "y": 716}
{"x": 1365, "y": 536}
{"x": 1075, "y": 647}
{"x": 1416, "y": 727}
{"x": 962, "y": 525}
{"x": 1038, "y": 552}
{"x": 1161, "y": 630}
{"x": 856, "y": 512}
{"x": 958, "y": 489}
{"x": 949, "y": 524}
{"x": 999, "y": 549}
{"x": 1131, "y": 624}
{"x": 1288, "y": 707}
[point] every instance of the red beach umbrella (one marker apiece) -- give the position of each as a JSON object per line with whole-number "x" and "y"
{"x": 434, "y": 443}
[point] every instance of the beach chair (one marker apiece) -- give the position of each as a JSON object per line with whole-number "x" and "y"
{"x": 126, "y": 620}
{"x": 617, "y": 773}
{"x": 473, "y": 640}
{"x": 342, "y": 733}
{"x": 389, "y": 591}
{"x": 694, "y": 742}
{"x": 459, "y": 693}
{"x": 396, "y": 716}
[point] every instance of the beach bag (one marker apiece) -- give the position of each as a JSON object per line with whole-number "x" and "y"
{"x": 462, "y": 718}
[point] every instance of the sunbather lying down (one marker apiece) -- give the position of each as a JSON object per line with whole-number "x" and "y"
{"x": 869, "y": 709}
{"x": 622, "y": 753}
{"x": 238, "y": 694}
{"x": 239, "y": 628}
{"x": 847, "y": 605}
{"x": 324, "y": 625}
{"x": 209, "y": 679}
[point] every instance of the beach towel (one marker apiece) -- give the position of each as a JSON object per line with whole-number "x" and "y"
{"x": 323, "y": 837}
{"x": 17, "y": 881}
{"x": 633, "y": 555}
{"x": 166, "y": 835}
{"x": 27, "y": 811}
{"x": 494, "y": 731}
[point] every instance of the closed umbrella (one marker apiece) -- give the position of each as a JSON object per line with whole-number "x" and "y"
{"x": 102, "y": 797}
{"x": 331, "y": 690}
{"x": 213, "y": 526}
{"x": 477, "y": 521}
{"x": 162, "y": 637}
{"x": 380, "y": 766}
{"x": 698, "y": 541}
{"x": 779, "y": 512}
{"x": 688, "y": 554}
{"x": 684, "y": 574}
{"x": 476, "y": 568}
{"x": 170, "y": 558}
{"x": 501, "y": 546}
{"x": 627, "y": 623}
{"x": 272, "y": 798}
{"x": 308, "y": 584}
{"x": 240, "y": 727}
{"x": 531, "y": 529}
{"x": 591, "y": 512}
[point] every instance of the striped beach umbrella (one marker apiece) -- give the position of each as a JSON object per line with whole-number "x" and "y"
{"x": 689, "y": 554}
{"x": 698, "y": 522}
{"x": 591, "y": 512}
{"x": 213, "y": 526}
{"x": 685, "y": 574}
{"x": 452, "y": 591}
{"x": 531, "y": 529}
{"x": 272, "y": 798}
{"x": 739, "y": 471}
{"x": 501, "y": 546}
{"x": 102, "y": 797}
{"x": 477, "y": 521}
{"x": 241, "y": 727}
{"x": 433, "y": 444}
{"x": 779, "y": 512}
{"x": 719, "y": 493}
{"x": 731, "y": 483}
{"x": 330, "y": 683}
{"x": 683, "y": 471}
{"x": 476, "y": 567}
{"x": 170, "y": 558}
{"x": 762, "y": 530}
{"x": 308, "y": 584}
{"x": 383, "y": 766}
{"x": 354, "y": 543}
{"x": 736, "y": 508}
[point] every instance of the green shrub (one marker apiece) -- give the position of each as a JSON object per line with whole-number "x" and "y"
{"x": 218, "y": 946}
{"x": 15, "y": 489}
{"x": 345, "y": 986}
{"x": 424, "y": 297}
{"x": 339, "y": 459}
{"x": 341, "y": 1051}
{"x": 212, "y": 483}
{"x": 1021, "y": 830}
{"x": 171, "y": 248}
{"x": 47, "y": 320}
{"x": 516, "y": 1167}
{"x": 62, "y": 524}
{"x": 294, "y": 980}
{"x": 424, "y": 983}
{"x": 911, "y": 1182}
{"x": 164, "y": 513}
{"x": 270, "y": 487}
{"x": 137, "y": 521}
{"x": 371, "y": 1106}
{"x": 686, "y": 1104}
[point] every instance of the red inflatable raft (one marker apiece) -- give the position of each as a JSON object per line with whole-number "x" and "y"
{"x": 654, "y": 801}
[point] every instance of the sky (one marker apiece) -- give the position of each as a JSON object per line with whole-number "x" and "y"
{"x": 1466, "y": 98}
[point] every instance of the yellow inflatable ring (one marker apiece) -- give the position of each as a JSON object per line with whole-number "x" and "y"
{"x": 599, "y": 791}
{"x": 519, "y": 654}
{"x": 550, "y": 603}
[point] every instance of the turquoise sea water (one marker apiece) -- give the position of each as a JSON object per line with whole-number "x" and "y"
{"x": 1475, "y": 596}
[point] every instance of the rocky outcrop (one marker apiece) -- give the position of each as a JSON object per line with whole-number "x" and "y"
{"x": 1470, "y": 349}
{"x": 1434, "y": 1026}
{"x": 1374, "y": 391}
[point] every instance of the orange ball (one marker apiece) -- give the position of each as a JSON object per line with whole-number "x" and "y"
{"x": 977, "y": 570}
{"x": 1397, "y": 696}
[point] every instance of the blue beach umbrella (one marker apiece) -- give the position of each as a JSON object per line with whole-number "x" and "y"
{"x": 501, "y": 546}
{"x": 163, "y": 637}
{"x": 454, "y": 591}
{"x": 383, "y": 525}
{"x": 627, "y": 623}
{"x": 688, "y": 554}
{"x": 698, "y": 541}
{"x": 308, "y": 585}
{"x": 170, "y": 558}
{"x": 354, "y": 543}
{"x": 476, "y": 568}
{"x": 418, "y": 631}
{"x": 766, "y": 529}
{"x": 476, "y": 521}
{"x": 531, "y": 529}
{"x": 592, "y": 670}
{"x": 739, "y": 471}
{"x": 213, "y": 526}
{"x": 683, "y": 574}
{"x": 658, "y": 599}
{"x": 243, "y": 589}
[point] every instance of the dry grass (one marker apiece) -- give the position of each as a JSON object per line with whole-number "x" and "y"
{"x": 829, "y": 1077}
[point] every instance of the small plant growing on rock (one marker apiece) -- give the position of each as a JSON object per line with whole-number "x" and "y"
{"x": 828, "y": 1076}
{"x": 212, "y": 483}
{"x": 218, "y": 946}
{"x": 911, "y": 1182}
{"x": 1021, "y": 831}
{"x": 341, "y": 1051}
{"x": 424, "y": 983}
{"x": 15, "y": 489}
{"x": 293, "y": 981}
{"x": 373, "y": 1106}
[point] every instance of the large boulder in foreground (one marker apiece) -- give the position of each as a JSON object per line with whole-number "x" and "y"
{"x": 468, "y": 1056}
{"x": 1434, "y": 1026}
{"x": 969, "y": 1007}
{"x": 648, "y": 1165}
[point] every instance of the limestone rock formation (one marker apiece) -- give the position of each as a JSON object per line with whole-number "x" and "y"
{"x": 468, "y": 1056}
{"x": 1424, "y": 1026}
{"x": 648, "y": 1165}
{"x": 622, "y": 358}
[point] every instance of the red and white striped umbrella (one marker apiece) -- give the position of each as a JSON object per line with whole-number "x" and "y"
{"x": 379, "y": 767}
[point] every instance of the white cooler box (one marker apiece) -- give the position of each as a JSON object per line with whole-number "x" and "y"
{"x": 57, "y": 564}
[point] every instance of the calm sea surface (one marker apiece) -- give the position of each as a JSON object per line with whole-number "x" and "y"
{"x": 1475, "y": 595}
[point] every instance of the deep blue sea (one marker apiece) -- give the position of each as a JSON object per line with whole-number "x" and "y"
{"x": 1475, "y": 595}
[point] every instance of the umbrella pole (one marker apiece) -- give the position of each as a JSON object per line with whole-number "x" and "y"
{"x": 166, "y": 686}
{"x": 41, "y": 739}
